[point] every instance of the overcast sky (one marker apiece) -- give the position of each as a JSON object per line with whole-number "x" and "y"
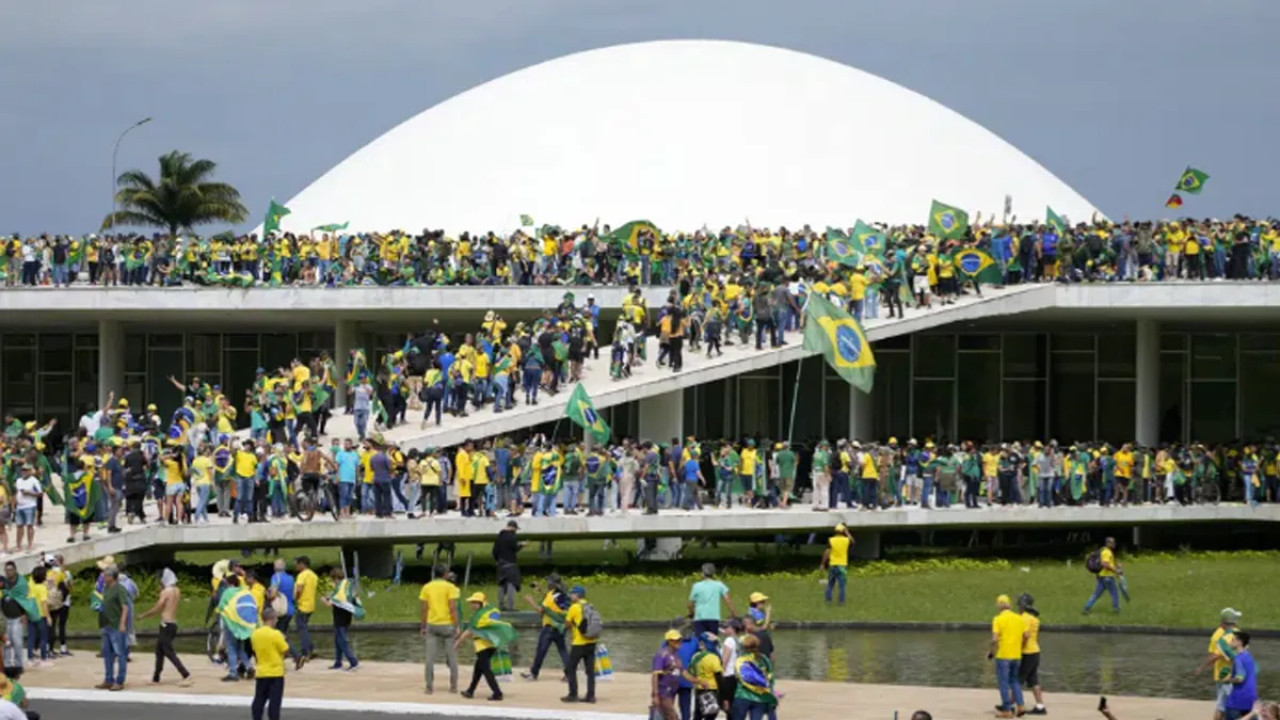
{"x": 1113, "y": 97}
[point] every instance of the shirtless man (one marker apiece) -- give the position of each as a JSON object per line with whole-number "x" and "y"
{"x": 167, "y": 608}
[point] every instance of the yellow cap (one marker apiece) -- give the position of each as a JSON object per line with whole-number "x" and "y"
{"x": 477, "y": 597}
{"x": 893, "y": 441}
{"x": 841, "y": 527}
{"x": 672, "y": 635}
{"x": 758, "y": 597}
{"x": 1003, "y": 600}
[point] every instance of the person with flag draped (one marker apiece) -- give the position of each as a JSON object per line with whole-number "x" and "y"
{"x": 754, "y": 697}
{"x": 81, "y": 494}
{"x": 238, "y": 611}
{"x": 346, "y": 606}
{"x": 490, "y": 636}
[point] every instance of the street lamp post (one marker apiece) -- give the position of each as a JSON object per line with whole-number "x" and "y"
{"x": 116, "y": 151}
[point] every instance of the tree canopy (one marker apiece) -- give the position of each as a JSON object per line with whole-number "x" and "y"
{"x": 180, "y": 198}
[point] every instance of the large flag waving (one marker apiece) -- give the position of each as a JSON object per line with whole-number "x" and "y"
{"x": 271, "y": 223}
{"x": 840, "y": 339}
{"x": 979, "y": 266}
{"x": 239, "y": 612}
{"x": 1053, "y": 220}
{"x": 583, "y": 413}
{"x": 947, "y": 221}
{"x": 840, "y": 249}
{"x": 1192, "y": 181}
{"x": 870, "y": 239}
{"x": 628, "y": 236}
{"x": 331, "y": 227}
{"x": 82, "y": 494}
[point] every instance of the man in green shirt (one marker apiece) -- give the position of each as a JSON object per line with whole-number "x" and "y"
{"x": 113, "y": 621}
{"x": 785, "y": 457}
{"x": 821, "y": 475}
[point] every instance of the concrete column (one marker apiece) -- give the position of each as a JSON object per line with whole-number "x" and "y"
{"x": 659, "y": 549}
{"x": 110, "y": 360}
{"x": 376, "y": 561}
{"x": 1147, "y": 384}
{"x": 346, "y": 338}
{"x": 866, "y": 545}
{"x": 860, "y": 416}
{"x": 662, "y": 416}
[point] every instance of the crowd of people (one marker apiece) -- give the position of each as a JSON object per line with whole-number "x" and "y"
{"x": 638, "y": 253}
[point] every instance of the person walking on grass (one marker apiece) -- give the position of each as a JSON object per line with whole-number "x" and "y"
{"x": 835, "y": 560}
{"x": 704, "y": 601}
{"x": 1103, "y": 564}
{"x": 440, "y": 625}
{"x": 1008, "y": 632}
{"x": 1029, "y": 670}
{"x": 167, "y": 608}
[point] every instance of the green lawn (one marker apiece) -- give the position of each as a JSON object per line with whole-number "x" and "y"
{"x": 1169, "y": 589}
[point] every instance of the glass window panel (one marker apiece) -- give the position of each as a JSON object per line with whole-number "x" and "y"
{"x": 1071, "y": 400}
{"x": 1024, "y": 355}
{"x": 758, "y": 411}
{"x": 976, "y": 341}
{"x": 808, "y": 410}
{"x": 1072, "y": 341}
{"x": 1260, "y": 395}
{"x": 86, "y": 369}
{"x": 1213, "y": 357}
{"x": 836, "y": 420}
{"x": 1173, "y": 385}
{"x": 711, "y": 408}
{"x": 933, "y": 404}
{"x": 164, "y": 363}
{"x": 135, "y": 390}
{"x": 167, "y": 341}
{"x": 55, "y": 394}
{"x": 689, "y": 406}
{"x": 55, "y": 352}
{"x": 135, "y": 353}
{"x": 1213, "y": 412}
{"x": 1117, "y": 406}
{"x": 86, "y": 340}
{"x": 279, "y": 349}
{"x": 310, "y": 344}
{"x": 242, "y": 341}
{"x": 204, "y": 354}
{"x": 1117, "y": 355}
{"x": 1267, "y": 342}
{"x": 934, "y": 356}
{"x": 897, "y": 342}
{"x": 1024, "y": 405}
{"x": 1173, "y": 341}
{"x": 239, "y": 370}
{"x": 978, "y": 404}
{"x": 19, "y": 372}
{"x": 891, "y": 401}
{"x": 19, "y": 340}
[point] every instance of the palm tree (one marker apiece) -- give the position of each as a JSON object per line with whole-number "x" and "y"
{"x": 180, "y": 199}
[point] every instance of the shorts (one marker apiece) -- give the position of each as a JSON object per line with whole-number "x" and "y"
{"x": 175, "y": 490}
{"x": 25, "y": 517}
{"x": 785, "y": 484}
{"x": 1029, "y": 670}
{"x": 1224, "y": 690}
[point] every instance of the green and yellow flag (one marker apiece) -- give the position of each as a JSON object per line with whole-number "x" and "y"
{"x": 979, "y": 266}
{"x": 627, "y": 237}
{"x": 1053, "y": 220}
{"x": 239, "y": 612}
{"x": 331, "y": 227}
{"x": 840, "y": 249}
{"x": 870, "y": 239}
{"x": 833, "y": 332}
{"x": 526, "y": 220}
{"x": 485, "y": 624}
{"x": 582, "y": 412}
{"x": 946, "y": 221}
{"x": 271, "y": 223}
{"x": 1192, "y": 181}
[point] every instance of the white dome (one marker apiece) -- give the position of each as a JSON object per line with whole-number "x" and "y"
{"x": 682, "y": 133}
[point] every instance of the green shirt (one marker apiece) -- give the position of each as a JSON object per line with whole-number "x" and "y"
{"x": 114, "y": 600}
{"x": 821, "y": 460}
{"x": 786, "y": 460}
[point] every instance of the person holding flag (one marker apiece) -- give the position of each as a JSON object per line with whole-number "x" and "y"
{"x": 345, "y": 603}
{"x": 491, "y": 636}
{"x": 238, "y": 611}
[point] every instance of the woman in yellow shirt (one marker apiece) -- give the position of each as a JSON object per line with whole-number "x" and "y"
{"x": 483, "y": 629}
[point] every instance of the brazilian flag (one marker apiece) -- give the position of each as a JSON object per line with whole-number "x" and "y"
{"x": 239, "y": 613}
{"x": 870, "y": 239}
{"x": 627, "y": 237}
{"x": 755, "y": 680}
{"x": 526, "y": 220}
{"x": 332, "y": 227}
{"x": 582, "y": 412}
{"x": 833, "y": 332}
{"x": 1192, "y": 181}
{"x": 484, "y": 624}
{"x": 1053, "y": 220}
{"x": 271, "y": 223}
{"x": 82, "y": 495}
{"x": 979, "y": 266}
{"x": 841, "y": 250}
{"x": 947, "y": 221}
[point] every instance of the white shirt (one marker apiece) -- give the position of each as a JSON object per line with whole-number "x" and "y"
{"x": 25, "y": 485}
{"x": 730, "y": 648}
{"x": 9, "y": 711}
{"x": 91, "y": 421}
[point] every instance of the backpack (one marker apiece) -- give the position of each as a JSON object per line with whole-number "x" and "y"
{"x": 592, "y": 622}
{"x": 1093, "y": 563}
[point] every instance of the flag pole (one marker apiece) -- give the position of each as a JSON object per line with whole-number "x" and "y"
{"x": 795, "y": 390}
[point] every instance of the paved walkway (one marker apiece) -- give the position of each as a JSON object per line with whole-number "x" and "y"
{"x": 626, "y": 694}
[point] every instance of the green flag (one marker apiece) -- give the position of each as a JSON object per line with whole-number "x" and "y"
{"x": 526, "y": 220}
{"x": 869, "y": 238}
{"x": 331, "y": 227}
{"x": 582, "y": 413}
{"x": 271, "y": 223}
{"x": 1052, "y": 219}
{"x": 946, "y": 221}
{"x": 840, "y": 249}
{"x": 833, "y": 332}
{"x": 979, "y": 265}
{"x": 1192, "y": 181}
{"x": 627, "y": 237}
{"x": 498, "y": 633}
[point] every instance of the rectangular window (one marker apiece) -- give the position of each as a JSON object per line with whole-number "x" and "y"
{"x": 1117, "y": 354}
{"x": 1024, "y": 355}
{"x": 1213, "y": 357}
{"x": 978, "y": 405}
{"x": 55, "y": 352}
{"x": 1173, "y": 399}
{"x": 1024, "y": 410}
{"x": 204, "y": 354}
{"x": 1071, "y": 401}
{"x": 891, "y": 401}
{"x": 934, "y": 356}
{"x": 1117, "y": 405}
{"x": 1213, "y": 411}
{"x": 933, "y": 406}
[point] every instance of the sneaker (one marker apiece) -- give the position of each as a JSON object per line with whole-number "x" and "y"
{"x": 495, "y": 698}
{"x": 116, "y": 688}
{"x": 467, "y": 694}
{"x": 230, "y": 678}
{"x": 569, "y": 699}
{"x": 529, "y": 676}
{"x": 1038, "y": 710}
{"x": 102, "y": 686}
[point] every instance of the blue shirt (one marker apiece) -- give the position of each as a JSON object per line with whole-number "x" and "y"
{"x": 380, "y": 464}
{"x": 688, "y": 648}
{"x": 348, "y": 462}
{"x": 691, "y": 470}
{"x": 282, "y": 583}
{"x": 1243, "y": 694}
{"x": 705, "y": 596}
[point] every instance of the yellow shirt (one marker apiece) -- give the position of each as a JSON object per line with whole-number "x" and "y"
{"x": 1108, "y": 558}
{"x": 40, "y": 593}
{"x": 172, "y": 472}
{"x": 550, "y": 606}
{"x": 705, "y": 671}
{"x": 478, "y": 642}
{"x": 1031, "y": 645}
{"x": 748, "y": 458}
{"x": 839, "y": 545}
{"x": 1124, "y": 464}
{"x": 269, "y": 647}
{"x": 246, "y": 463}
{"x": 480, "y": 465}
{"x": 439, "y": 595}
{"x": 1221, "y": 666}
{"x": 259, "y": 593}
{"x": 429, "y": 471}
{"x": 301, "y": 374}
{"x": 573, "y": 619}
{"x": 304, "y": 591}
{"x": 202, "y": 470}
{"x": 857, "y": 286}
{"x": 990, "y": 461}
{"x": 1008, "y": 628}
{"x": 869, "y": 471}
